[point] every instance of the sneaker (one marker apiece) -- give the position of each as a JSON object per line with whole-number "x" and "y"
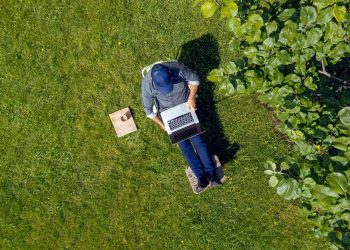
{"x": 201, "y": 185}
{"x": 215, "y": 182}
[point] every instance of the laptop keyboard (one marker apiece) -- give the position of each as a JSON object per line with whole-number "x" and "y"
{"x": 180, "y": 121}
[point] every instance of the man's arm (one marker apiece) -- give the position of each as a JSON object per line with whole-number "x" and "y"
{"x": 191, "y": 101}
{"x": 147, "y": 102}
{"x": 157, "y": 120}
{"x": 191, "y": 77}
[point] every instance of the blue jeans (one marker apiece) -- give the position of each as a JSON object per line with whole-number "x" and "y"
{"x": 201, "y": 162}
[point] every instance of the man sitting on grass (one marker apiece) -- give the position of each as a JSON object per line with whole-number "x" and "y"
{"x": 171, "y": 84}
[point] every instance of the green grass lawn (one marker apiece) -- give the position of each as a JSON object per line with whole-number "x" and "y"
{"x": 67, "y": 182}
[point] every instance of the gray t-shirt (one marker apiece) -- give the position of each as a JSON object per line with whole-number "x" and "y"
{"x": 182, "y": 77}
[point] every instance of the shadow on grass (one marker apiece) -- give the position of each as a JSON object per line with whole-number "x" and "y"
{"x": 202, "y": 55}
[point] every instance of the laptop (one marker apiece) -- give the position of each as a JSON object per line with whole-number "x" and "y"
{"x": 181, "y": 123}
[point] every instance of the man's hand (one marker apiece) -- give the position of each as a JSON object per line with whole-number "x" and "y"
{"x": 191, "y": 102}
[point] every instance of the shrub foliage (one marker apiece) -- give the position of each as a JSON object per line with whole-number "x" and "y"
{"x": 295, "y": 55}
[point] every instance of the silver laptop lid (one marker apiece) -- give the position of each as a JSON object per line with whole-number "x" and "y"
{"x": 178, "y": 117}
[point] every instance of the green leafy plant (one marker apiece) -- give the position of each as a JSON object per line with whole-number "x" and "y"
{"x": 284, "y": 49}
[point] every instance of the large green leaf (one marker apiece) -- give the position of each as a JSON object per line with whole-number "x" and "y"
{"x": 343, "y": 129}
{"x": 312, "y": 117}
{"x": 273, "y": 181}
{"x": 288, "y": 188}
{"x": 306, "y": 102}
{"x": 226, "y": 88}
{"x": 269, "y": 172}
{"x": 272, "y": 63}
{"x": 334, "y": 32}
{"x": 339, "y": 13}
{"x": 250, "y": 74}
{"x": 234, "y": 44}
{"x": 327, "y": 47}
{"x": 313, "y": 36}
{"x": 305, "y": 170}
{"x": 342, "y": 160}
{"x": 296, "y": 135}
{"x": 343, "y": 139}
{"x": 320, "y": 4}
{"x": 334, "y": 209}
{"x": 286, "y": 14}
{"x": 321, "y": 192}
{"x": 345, "y": 203}
{"x": 284, "y": 165}
{"x": 338, "y": 182}
{"x": 294, "y": 121}
{"x": 253, "y": 79}
{"x": 346, "y": 217}
{"x": 256, "y": 20}
{"x": 340, "y": 146}
{"x": 216, "y": 75}
{"x": 299, "y": 42}
{"x": 277, "y": 78}
{"x": 289, "y": 33}
{"x": 344, "y": 116}
{"x": 309, "y": 182}
{"x": 271, "y": 27}
{"x": 304, "y": 148}
{"x": 308, "y": 15}
{"x": 284, "y": 57}
{"x": 347, "y": 174}
{"x": 254, "y": 36}
{"x": 307, "y": 54}
{"x": 325, "y": 16}
{"x": 308, "y": 82}
{"x": 302, "y": 117}
{"x": 209, "y": 8}
{"x": 241, "y": 89}
{"x": 258, "y": 60}
{"x": 230, "y": 68}
{"x": 300, "y": 68}
{"x": 318, "y": 47}
{"x": 234, "y": 24}
{"x": 230, "y": 10}
{"x": 347, "y": 153}
{"x": 250, "y": 52}
{"x": 268, "y": 43}
{"x": 284, "y": 91}
{"x": 338, "y": 52}
{"x": 292, "y": 78}
{"x": 331, "y": 30}
{"x": 306, "y": 194}
{"x": 283, "y": 116}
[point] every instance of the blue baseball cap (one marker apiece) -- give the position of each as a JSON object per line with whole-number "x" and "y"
{"x": 162, "y": 78}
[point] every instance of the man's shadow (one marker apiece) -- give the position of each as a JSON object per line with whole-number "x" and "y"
{"x": 202, "y": 55}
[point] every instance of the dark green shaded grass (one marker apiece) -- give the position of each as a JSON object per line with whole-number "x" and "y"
{"x": 67, "y": 182}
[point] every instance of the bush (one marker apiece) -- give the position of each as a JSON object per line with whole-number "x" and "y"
{"x": 284, "y": 49}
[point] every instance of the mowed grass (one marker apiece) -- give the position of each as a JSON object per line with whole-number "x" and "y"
{"x": 67, "y": 182}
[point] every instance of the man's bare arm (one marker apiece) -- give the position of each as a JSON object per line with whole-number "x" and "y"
{"x": 157, "y": 120}
{"x": 191, "y": 101}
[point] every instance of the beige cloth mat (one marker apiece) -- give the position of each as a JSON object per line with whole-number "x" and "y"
{"x": 123, "y": 122}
